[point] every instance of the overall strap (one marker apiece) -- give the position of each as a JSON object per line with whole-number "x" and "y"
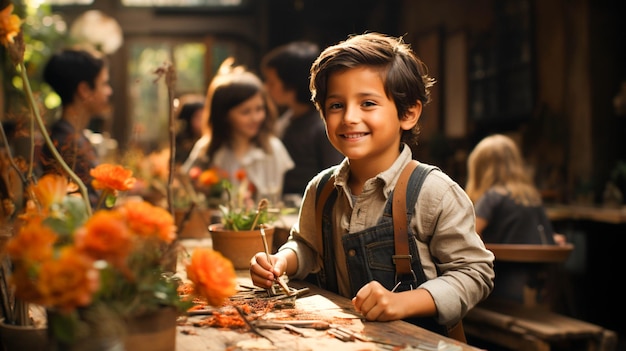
{"x": 325, "y": 198}
{"x": 324, "y": 189}
{"x": 402, "y": 258}
{"x": 401, "y": 212}
{"x": 417, "y": 172}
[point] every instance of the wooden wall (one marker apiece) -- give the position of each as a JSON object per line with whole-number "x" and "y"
{"x": 573, "y": 138}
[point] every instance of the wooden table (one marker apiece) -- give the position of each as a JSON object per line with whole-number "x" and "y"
{"x": 597, "y": 233}
{"x": 326, "y": 306}
{"x": 591, "y": 213}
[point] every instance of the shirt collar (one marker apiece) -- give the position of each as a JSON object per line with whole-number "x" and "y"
{"x": 388, "y": 177}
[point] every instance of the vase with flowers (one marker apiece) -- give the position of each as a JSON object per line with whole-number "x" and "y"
{"x": 95, "y": 271}
{"x": 86, "y": 269}
{"x": 201, "y": 192}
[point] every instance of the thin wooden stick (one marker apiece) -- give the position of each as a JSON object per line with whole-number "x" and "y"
{"x": 263, "y": 203}
{"x": 271, "y": 290}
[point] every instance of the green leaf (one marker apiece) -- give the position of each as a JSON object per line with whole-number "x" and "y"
{"x": 109, "y": 202}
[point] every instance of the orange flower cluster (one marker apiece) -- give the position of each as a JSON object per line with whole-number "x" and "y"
{"x": 112, "y": 178}
{"x": 50, "y": 190}
{"x": 148, "y": 221}
{"x": 105, "y": 236}
{"x": 211, "y": 177}
{"x": 9, "y": 25}
{"x": 57, "y": 249}
{"x": 49, "y": 275}
{"x": 213, "y": 276}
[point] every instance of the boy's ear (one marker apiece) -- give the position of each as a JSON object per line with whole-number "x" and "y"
{"x": 412, "y": 115}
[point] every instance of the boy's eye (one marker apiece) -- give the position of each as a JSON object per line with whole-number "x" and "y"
{"x": 369, "y": 103}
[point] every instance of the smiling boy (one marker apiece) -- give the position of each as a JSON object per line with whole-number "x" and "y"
{"x": 370, "y": 90}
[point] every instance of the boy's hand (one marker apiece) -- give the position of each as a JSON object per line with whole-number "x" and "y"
{"x": 379, "y": 304}
{"x": 376, "y": 303}
{"x": 263, "y": 272}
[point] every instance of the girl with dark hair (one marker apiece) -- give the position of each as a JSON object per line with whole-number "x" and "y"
{"x": 239, "y": 119}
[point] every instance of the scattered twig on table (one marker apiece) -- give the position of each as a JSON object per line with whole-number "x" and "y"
{"x": 251, "y": 326}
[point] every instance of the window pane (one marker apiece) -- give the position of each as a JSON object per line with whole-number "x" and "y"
{"x": 189, "y": 63}
{"x": 148, "y": 99}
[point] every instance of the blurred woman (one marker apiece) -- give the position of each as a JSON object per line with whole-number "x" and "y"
{"x": 508, "y": 207}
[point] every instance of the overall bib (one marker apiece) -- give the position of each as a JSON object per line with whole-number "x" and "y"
{"x": 369, "y": 252}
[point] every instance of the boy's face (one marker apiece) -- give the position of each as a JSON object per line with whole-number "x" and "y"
{"x": 361, "y": 121}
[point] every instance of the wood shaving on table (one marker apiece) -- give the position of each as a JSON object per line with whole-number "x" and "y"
{"x": 256, "y": 344}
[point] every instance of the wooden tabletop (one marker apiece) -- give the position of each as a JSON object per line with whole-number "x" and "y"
{"x": 317, "y": 304}
{"x": 592, "y": 213}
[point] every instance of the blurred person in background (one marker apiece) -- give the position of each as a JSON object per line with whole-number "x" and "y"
{"x": 286, "y": 70}
{"x": 189, "y": 114}
{"x": 509, "y": 209}
{"x": 81, "y": 79}
{"x": 238, "y": 120}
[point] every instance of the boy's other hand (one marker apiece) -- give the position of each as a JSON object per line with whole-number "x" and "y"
{"x": 376, "y": 303}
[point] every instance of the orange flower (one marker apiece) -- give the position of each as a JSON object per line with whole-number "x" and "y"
{"x": 9, "y": 25}
{"x": 213, "y": 275}
{"x": 69, "y": 281}
{"x": 24, "y": 280}
{"x": 112, "y": 177}
{"x": 209, "y": 177}
{"x": 240, "y": 174}
{"x": 33, "y": 243}
{"x": 105, "y": 236}
{"x": 50, "y": 190}
{"x": 147, "y": 220}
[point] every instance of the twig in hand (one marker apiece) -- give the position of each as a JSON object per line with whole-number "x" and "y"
{"x": 271, "y": 290}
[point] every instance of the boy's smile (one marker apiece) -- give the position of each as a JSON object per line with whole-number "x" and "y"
{"x": 361, "y": 120}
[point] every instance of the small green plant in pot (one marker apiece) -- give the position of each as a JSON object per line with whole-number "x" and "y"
{"x": 239, "y": 212}
{"x": 243, "y": 227}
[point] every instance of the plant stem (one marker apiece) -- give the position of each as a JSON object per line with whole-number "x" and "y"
{"x": 49, "y": 143}
{"x": 170, "y": 80}
{"x": 5, "y": 141}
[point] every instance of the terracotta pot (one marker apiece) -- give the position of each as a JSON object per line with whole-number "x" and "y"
{"x": 94, "y": 330}
{"x": 18, "y": 338}
{"x": 194, "y": 223}
{"x": 239, "y": 246}
{"x": 155, "y": 331}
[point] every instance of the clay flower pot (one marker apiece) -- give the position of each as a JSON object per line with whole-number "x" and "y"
{"x": 193, "y": 223}
{"x": 17, "y": 337}
{"x": 239, "y": 246}
{"x": 154, "y": 331}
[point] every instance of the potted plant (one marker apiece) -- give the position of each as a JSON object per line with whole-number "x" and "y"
{"x": 245, "y": 229}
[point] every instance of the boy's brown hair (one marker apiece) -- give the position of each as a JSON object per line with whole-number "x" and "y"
{"x": 405, "y": 76}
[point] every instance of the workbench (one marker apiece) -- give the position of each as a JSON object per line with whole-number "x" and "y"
{"x": 316, "y": 304}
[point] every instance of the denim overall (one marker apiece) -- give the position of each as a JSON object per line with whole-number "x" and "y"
{"x": 369, "y": 252}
